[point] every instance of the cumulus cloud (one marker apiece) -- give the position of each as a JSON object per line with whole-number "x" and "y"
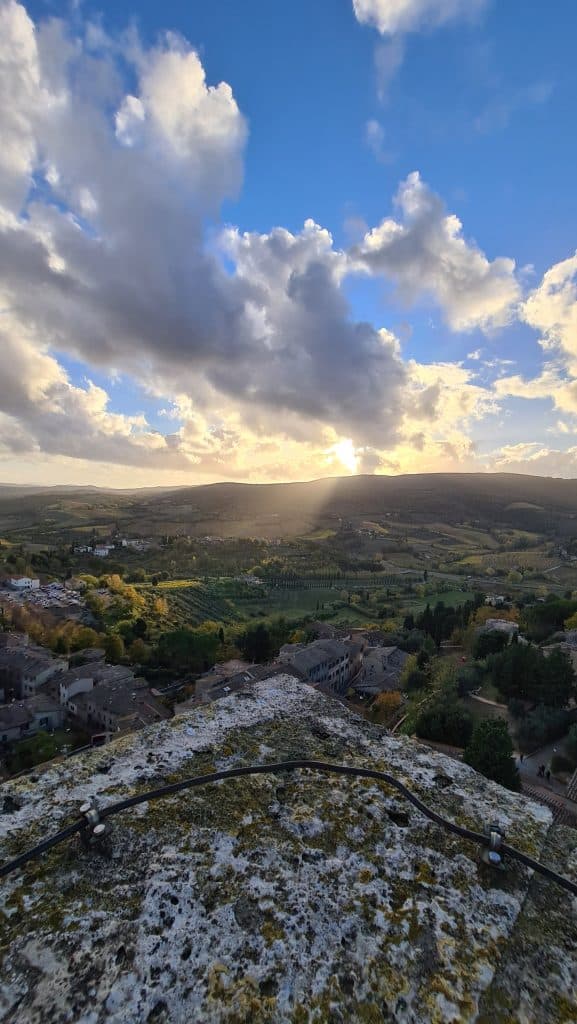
{"x": 424, "y": 251}
{"x": 42, "y": 411}
{"x": 535, "y": 459}
{"x": 551, "y": 309}
{"x": 552, "y": 383}
{"x": 112, "y": 252}
{"x": 105, "y": 252}
{"x": 391, "y": 17}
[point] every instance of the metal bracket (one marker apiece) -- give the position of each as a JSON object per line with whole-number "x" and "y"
{"x": 94, "y": 831}
{"x": 493, "y": 852}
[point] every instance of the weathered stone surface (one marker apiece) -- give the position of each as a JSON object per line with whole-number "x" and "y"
{"x": 281, "y": 899}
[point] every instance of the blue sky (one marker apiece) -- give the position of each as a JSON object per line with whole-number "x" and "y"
{"x": 479, "y": 101}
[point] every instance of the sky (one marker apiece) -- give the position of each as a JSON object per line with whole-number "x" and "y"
{"x": 272, "y": 242}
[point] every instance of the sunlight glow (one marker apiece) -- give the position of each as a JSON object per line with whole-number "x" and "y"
{"x": 345, "y": 453}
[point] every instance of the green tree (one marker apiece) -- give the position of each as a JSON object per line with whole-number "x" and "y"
{"x": 114, "y": 647}
{"x": 187, "y": 650}
{"x": 140, "y": 628}
{"x": 139, "y": 652}
{"x": 524, "y": 672}
{"x": 571, "y": 744}
{"x": 256, "y": 644}
{"x": 559, "y": 679}
{"x": 492, "y": 642}
{"x": 416, "y": 680}
{"x": 445, "y": 721}
{"x": 540, "y": 726}
{"x": 490, "y": 752}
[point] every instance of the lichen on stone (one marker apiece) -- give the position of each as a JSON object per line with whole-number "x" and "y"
{"x": 287, "y": 898}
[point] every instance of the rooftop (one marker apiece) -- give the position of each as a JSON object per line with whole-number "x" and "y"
{"x": 138, "y": 705}
{"x": 280, "y": 899}
{"x": 14, "y": 715}
{"x": 25, "y": 660}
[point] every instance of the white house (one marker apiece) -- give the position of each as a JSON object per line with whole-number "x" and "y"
{"x": 24, "y": 583}
{"x": 103, "y": 550}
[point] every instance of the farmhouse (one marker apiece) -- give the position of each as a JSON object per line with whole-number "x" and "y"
{"x": 24, "y": 583}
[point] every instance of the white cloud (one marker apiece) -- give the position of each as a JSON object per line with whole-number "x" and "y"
{"x": 112, "y": 263}
{"x": 112, "y": 252}
{"x": 375, "y": 138}
{"x": 552, "y": 383}
{"x": 502, "y": 108}
{"x": 23, "y": 100}
{"x": 535, "y": 459}
{"x": 425, "y": 252}
{"x": 391, "y": 17}
{"x": 389, "y": 57}
{"x": 42, "y": 411}
{"x": 551, "y": 308}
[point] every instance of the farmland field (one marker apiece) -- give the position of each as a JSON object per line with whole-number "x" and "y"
{"x": 452, "y": 598}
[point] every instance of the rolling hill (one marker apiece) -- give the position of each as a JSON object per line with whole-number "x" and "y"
{"x": 533, "y": 503}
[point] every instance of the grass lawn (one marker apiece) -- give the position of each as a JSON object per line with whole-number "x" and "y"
{"x": 480, "y": 712}
{"x": 452, "y": 598}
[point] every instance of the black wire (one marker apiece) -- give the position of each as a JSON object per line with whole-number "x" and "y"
{"x": 288, "y": 766}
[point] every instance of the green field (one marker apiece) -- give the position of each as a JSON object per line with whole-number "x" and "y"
{"x": 452, "y": 598}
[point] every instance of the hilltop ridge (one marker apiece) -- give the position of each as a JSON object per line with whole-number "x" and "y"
{"x": 526, "y": 502}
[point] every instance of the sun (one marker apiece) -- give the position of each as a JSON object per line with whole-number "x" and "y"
{"x": 345, "y": 453}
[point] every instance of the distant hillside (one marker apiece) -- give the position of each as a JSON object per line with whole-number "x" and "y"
{"x": 527, "y": 502}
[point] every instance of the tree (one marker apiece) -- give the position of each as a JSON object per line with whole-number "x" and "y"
{"x": 571, "y": 744}
{"x": 256, "y": 643}
{"x": 114, "y": 647}
{"x": 160, "y": 607}
{"x": 524, "y": 672}
{"x": 490, "y": 752}
{"x": 540, "y": 621}
{"x": 187, "y": 650}
{"x": 423, "y": 659}
{"x": 409, "y": 666}
{"x": 540, "y": 726}
{"x": 385, "y": 705}
{"x": 83, "y": 637}
{"x": 139, "y": 652}
{"x": 469, "y": 677}
{"x": 559, "y": 679}
{"x": 492, "y": 642}
{"x": 416, "y": 680}
{"x": 140, "y": 628}
{"x": 445, "y": 721}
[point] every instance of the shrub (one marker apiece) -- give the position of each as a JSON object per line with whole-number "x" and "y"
{"x": 416, "y": 680}
{"x": 492, "y": 642}
{"x": 516, "y": 708}
{"x": 540, "y": 727}
{"x": 560, "y": 763}
{"x": 571, "y": 744}
{"x": 470, "y": 677}
{"x": 445, "y": 722}
{"x": 490, "y": 752}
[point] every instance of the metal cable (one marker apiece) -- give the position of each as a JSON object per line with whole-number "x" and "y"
{"x": 288, "y": 766}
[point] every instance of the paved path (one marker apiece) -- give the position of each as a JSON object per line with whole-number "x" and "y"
{"x": 530, "y": 763}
